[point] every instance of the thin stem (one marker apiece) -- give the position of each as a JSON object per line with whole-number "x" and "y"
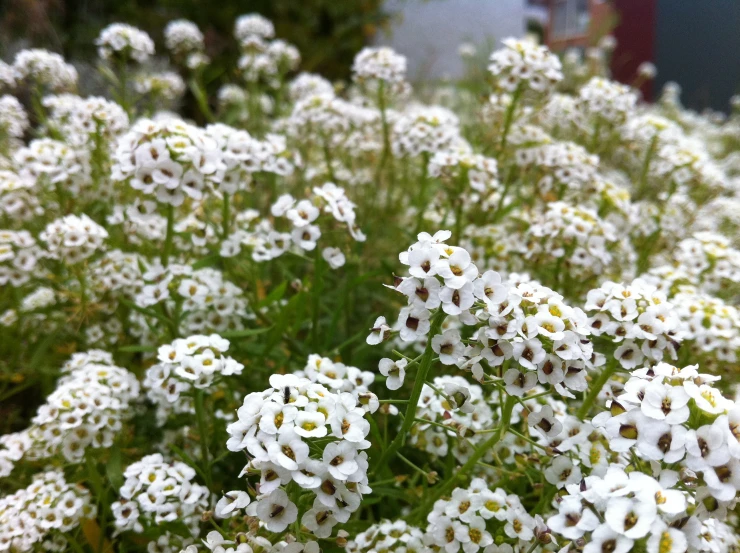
{"x": 421, "y": 202}
{"x": 527, "y": 439}
{"x": 393, "y": 401}
{"x": 225, "y": 210}
{"x": 316, "y": 298}
{"x": 421, "y": 377}
{"x": 201, "y": 98}
{"x": 413, "y": 466}
{"x": 509, "y": 118}
{"x": 596, "y": 386}
{"x": 458, "y": 219}
{"x": 168, "y": 238}
{"x": 328, "y": 161}
{"x": 504, "y": 194}
{"x": 477, "y": 455}
{"x": 385, "y": 156}
{"x": 202, "y": 430}
{"x": 643, "y": 189}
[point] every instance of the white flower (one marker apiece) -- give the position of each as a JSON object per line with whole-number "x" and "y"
{"x": 394, "y": 371}
{"x": 276, "y": 511}
{"x": 448, "y": 346}
{"x": 379, "y": 333}
{"x": 631, "y": 518}
{"x": 334, "y": 257}
{"x": 544, "y": 420}
{"x": 519, "y": 383}
{"x": 230, "y": 503}
{"x": 606, "y": 539}
{"x": 340, "y": 460}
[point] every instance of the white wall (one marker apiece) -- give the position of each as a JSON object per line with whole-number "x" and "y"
{"x": 428, "y": 32}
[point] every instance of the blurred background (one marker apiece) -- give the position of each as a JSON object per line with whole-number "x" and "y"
{"x": 693, "y": 43}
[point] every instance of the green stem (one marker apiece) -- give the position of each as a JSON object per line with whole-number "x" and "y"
{"x": 201, "y": 98}
{"x": 421, "y": 377}
{"x": 316, "y": 298}
{"x": 508, "y": 119}
{"x": 200, "y": 416}
{"x": 225, "y": 210}
{"x": 421, "y": 202}
{"x": 596, "y": 386}
{"x": 168, "y": 238}
{"x": 642, "y": 191}
{"x": 385, "y": 156}
{"x": 477, "y": 455}
{"x": 328, "y": 161}
{"x": 61, "y": 197}
{"x": 458, "y": 219}
{"x": 595, "y": 136}
{"x": 413, "y": 466}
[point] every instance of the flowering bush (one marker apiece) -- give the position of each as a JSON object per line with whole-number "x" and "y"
{"x": 329, "y": 316}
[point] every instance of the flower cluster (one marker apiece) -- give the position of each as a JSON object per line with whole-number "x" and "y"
{"x": 424, "y": 129}
{"x": 576, "y": 235}
{"x": 170, "y": 160}
{"x": 187, "y": 365}
{"x": 83, "y": 120}
{"x": 53, "y": 164}
{"x": 608, "y": 101}
{"x": 388, "y": 536}
{"x": 13, "y": 118}
{"x": 72, "y": 239}
{"x": 44, "y": 69}
{"x": 205, "y": 300}
{"x": 19, "y": 257}
{"x": 453, "y": 403}
{"x": 660, "y": 418}
{"x": 476, "y": 171}
{"x": 461, "y": 522}
{"x": 709, "y": 261}
{"x": 708, "y": 324}
{"x": 304, "y": 217}
{"x": 86, "y": 410}
{"x": 253, "y": 25}
{"x": 524, "y": 322}
{"x": 381, "y": 65}
{"x": 38, "y": 516}
{"x": 124, "y": 43}
{"x": 183, "y": 38}
{"x": 302, "y": 432}
{"x": 156, "y": 492}
{"x": 166, "y": 85}
{"x": 263, "y": 59}
{"x": 524, "y": 65}
{"x": 638, "y": 318}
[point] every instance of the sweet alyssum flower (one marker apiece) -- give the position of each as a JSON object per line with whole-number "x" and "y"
{"x": 283, "y": 429}
{"x": 188, "y": 364}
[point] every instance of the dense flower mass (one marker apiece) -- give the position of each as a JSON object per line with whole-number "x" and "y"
{"x": 156, "y": 492}
{"x": 299, "y": 431}
{"x": 124, "y": 42}
{"x": 41, "y": 514}
{"x": 263, "y": 312}
{"x": 187, "y": 365}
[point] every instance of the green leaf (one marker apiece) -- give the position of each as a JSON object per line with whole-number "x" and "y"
{"x": 208, "y": 261}
{"x": 275, "y": 295}
{"x": 113, "y": 468}
{"x": 144, "y": 310}
{"x": 136, "y": 349}
{"x": 41, "y": 349}
{"x": 232, "y": 334}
